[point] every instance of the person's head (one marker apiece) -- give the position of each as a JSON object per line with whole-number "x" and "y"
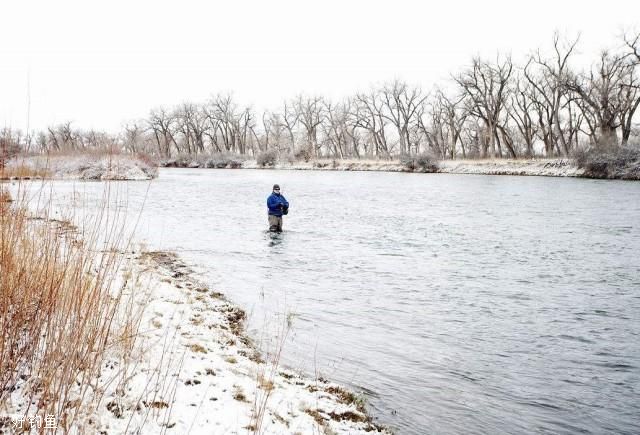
{"x": 276, "y": 189}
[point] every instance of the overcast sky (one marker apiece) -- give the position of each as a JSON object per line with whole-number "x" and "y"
{"x": 101, "y": 64}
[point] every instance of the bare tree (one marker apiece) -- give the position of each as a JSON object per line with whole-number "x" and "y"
{"x": 192, "y": 123}
{"x": 67, "y": 136}
{"x": 338, "y": 129}
{"x": 280, "y": 132}
{"x": 311, "y": 113}
{"x": 521, "y": 110}
{"x": 486, "y": 86}
{"x": 162, "y": 125}
{"x": 290, "y": 119}
{"x": 133, "y": 136}
{"x": 549, "y": 92}
{"x": 368, "y": 112}
{"x": 633, "y": 44}
{"x": 432, "y": 125}
{"x": 444, "y": 124}
{"x": 631, "y": 91}
{"x": 402, "y": 103}
{"x": 608, "y": 94}
{"x": 629, "y": 96}
{"x": 244, "y": 123}
{"x": 221, "y": 112}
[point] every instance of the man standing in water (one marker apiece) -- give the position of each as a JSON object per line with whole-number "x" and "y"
{"x": 278, "y": 206}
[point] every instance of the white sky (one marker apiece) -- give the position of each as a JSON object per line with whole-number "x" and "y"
{"x": 101, "y": 64}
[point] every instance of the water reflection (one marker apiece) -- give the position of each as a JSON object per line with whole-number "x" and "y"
{"x": 274, "y": 239}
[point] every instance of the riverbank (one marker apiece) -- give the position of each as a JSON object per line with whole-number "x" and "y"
{"x": 529, "y": 167}
{"x": 192, "y": 369}
{"x": 132, "y": 167}
{"x": 213, "y": 378}
{"x": 88, "y": 166}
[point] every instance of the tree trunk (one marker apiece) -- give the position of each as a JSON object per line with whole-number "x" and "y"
{"x": 608, "y": 136}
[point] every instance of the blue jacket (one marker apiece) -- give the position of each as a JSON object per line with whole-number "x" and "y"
{"x": 274, "y": 203}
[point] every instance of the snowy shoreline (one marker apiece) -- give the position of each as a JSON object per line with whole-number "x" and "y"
{"x": 80, "y": 167}
{"x": 528, "y": 167}
{"x": 610, "y": 167}
{"x": 198, "y": 372}
{"x": 129, "y": 167}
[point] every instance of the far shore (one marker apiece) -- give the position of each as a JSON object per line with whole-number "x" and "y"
{"x": 540, "y": 167}
{"x": 85, "y": 166}
{"x": 547, "y": 167}
{"x": 134, "y": 167}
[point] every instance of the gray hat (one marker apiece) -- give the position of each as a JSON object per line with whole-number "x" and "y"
{"x": 275, "y": 186}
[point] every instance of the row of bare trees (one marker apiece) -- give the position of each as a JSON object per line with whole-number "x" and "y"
{"x": 492, "y": 108}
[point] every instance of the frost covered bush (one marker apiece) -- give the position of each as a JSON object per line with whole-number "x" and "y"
{"x": 424, "y": 162}
{"x": 304, "y": 153}
{"x": 223, "y": 160}
{"x": 618, "y": 162}
{"x": 87, "y": 166}
{"x": 267, "y": 158}
{"x": 216, "y": 160}
{"x": 289, "y": 157}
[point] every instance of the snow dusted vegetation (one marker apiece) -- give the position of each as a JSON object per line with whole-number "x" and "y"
{"x": 541, "y": 167}
{"x": 194, "y": 370}
{"x": 86, "y": 166}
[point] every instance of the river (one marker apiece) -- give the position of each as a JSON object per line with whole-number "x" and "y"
{"x": 456, "y": 303}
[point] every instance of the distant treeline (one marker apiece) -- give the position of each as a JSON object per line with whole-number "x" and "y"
{"x": 492, "y": 108}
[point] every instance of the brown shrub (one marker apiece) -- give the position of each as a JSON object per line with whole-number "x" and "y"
{"x": 58, "y": 310}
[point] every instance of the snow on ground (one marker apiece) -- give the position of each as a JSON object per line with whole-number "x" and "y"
{"x": 540, "y": 167}
{"x": 192, "y": 370}
{"x": 543, "y": 167}
{"x": 334, "y": 165}
{"x": 85, "y": 167}
{"x": 197, "y": 372}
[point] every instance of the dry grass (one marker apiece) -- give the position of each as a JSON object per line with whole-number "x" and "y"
{"x": 267, "y": 372}
{"x": 264, "y": 383}
{"x": 197, "y": 348}
{"x": 23, "y": 172}
{"x": 5, "y": 197}
{"x": 59, "y": 312}
{"x": 89, "y": 164}
{"x": 348, "y": 397}
{"x": 238, "y": 394}
{"x": 315, "y": 414}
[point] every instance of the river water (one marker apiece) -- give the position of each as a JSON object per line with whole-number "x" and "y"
{"x": 456, "y": 303}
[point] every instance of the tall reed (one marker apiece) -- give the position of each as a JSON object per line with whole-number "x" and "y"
{"x": 61, "y": 304}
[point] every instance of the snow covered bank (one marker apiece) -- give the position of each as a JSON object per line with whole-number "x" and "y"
{"x": 539, "y": 167}
{"x": 193, "y": 370}
{"x": 623, "y": 165}
{"x": 217, "y": 382}
{"x": 335, "y": 165}
{"x": 81, "y": 167}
